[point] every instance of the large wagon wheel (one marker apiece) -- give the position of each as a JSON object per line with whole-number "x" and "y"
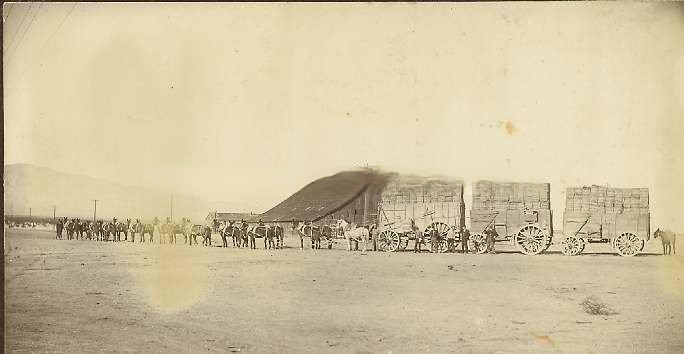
{"x": 388, "y": 240}
{"x": 531, "y": 239}
{"x": 628, "y": 244}
{"x": 443, "y": 232}
{"x": 572, "y": 246}
{"x": 477, "y": 243}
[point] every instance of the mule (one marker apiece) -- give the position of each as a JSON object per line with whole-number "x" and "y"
{"x": 668, "y": 239}
{"x": 353, "y": 234}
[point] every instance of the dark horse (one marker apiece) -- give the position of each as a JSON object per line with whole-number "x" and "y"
{"x": 269, "y": 234}
{"x": 315, "y": 233}
{"x": 231, "y": 231}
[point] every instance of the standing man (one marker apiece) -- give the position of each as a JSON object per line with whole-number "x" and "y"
{"x": 465, "y": 236}
{"x": 418, "y": 236}
{"x": 434, "y": 239}
{"x": 252, "y": 238}
{"x": 59, "y": 227}
{"x": 243, "y": 232}
{"x": 490, "y": 234}
{"x": 374, "y": 236}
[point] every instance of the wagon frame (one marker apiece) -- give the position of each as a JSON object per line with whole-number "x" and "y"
{"x": 625, "y": 240}
{"x": 531, "y": 238}
{"x": 395, "y": 236}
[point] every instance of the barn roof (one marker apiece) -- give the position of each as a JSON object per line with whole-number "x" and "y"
{"x": 229, "y": 216}
{"x": 324, "y": 196}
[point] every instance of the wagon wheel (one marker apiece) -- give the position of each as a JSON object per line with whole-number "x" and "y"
{"x": 388, "y": 240}
{"x": 443, "y": 230}
{"x": 628, "y": 244}
{"x": 477, "y": 243}
{"x": 531, "y": 239}
{"x": 572, "y": 246}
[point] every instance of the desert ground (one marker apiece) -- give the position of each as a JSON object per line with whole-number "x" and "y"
{"x": 85, "y": 296}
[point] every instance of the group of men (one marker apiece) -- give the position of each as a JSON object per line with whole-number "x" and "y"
{"x": 464, "y": 238}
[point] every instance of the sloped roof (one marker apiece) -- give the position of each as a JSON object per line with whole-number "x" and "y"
{"x": 325, "y": 196}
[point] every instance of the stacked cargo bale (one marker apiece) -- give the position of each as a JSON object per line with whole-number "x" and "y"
{"x": 425, "y": 199}
{"x": 509, "y": 206}
{"x": 604, "y": 212}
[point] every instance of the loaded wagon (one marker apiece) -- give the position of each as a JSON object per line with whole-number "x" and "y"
{"x": 410, "y": 205}
{"x": 598, "y": 214}
{"x": 518, "y": 213}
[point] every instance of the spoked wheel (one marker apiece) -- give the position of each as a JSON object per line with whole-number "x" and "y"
{"x": 628, "y": 244}
{"x": 572, "y": 246}
{"x": 531, "y": 239}
{"x": 477, "y": 243}
{"x": 388, "y": 241}
{"x": 443, "y": 231}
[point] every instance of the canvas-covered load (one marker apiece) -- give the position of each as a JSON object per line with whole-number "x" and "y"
{"x": 488, "y": 195}
{"x": 602, "y": 225}
{"x": 607, "y": 199}
{"x": 509, "y": 222}
{"x": 425, "y": 199}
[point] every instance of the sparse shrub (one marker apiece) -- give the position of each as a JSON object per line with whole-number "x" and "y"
{"x": 594, "y": 306}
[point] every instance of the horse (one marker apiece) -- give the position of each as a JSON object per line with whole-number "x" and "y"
{"x": 257, "y": 231}
{"x": 353, "y": 233}
{"x": 669, "y": 239}
{"x": 148, "y": 229}
{"x": 234, "y": 232}
{"x": 313, "y": 232}
{"x": 206, "y": 236}
{"x": 177, "y": 229}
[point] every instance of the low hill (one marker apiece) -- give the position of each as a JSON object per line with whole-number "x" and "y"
{"x": 39, "y": 188}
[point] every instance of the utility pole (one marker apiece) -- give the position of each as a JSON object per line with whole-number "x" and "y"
{"x": 365, "y": 206}
{"x": 95, "y": 211}
{"x": 54, "y": 215}
{"x": 30, "y": 217}
{"x": 171, "y": 207}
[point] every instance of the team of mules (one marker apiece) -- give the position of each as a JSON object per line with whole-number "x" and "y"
{"x": 128, "y": 230}
{"x": 245, "y": 235}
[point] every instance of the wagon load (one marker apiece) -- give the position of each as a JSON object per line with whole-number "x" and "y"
{"x": 516, "y": 212}
{"x": 412, "y": 205}
{"x": 599, "y": 214}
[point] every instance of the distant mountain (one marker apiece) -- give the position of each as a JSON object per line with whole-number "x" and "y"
{"x": 39, "y": 188}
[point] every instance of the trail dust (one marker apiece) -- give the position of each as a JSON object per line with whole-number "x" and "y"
{"x": 176, "y": 279}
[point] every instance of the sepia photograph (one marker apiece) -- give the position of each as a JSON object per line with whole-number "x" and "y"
{"x": 343, "y": 177}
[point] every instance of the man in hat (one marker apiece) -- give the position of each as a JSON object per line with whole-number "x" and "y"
{"x": 59, "y": 227}
{"x": 465, "y": 236}
{"x": 418, "y": 236}
{"x": 490, "y": 234}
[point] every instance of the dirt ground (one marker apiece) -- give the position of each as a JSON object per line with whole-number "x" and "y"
{"x": 84, "y": 296}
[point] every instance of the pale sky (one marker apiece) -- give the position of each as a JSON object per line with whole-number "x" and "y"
{"x": 253, "y": 101}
